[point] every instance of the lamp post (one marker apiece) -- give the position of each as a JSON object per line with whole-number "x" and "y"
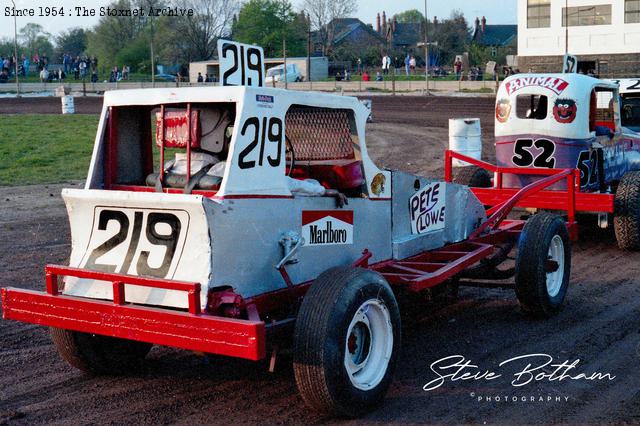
{"x": 153, "y": 59}
{"x": 15, "y": 47}
{"x": 426, "y": 48}
{"x": 566, "y": 27}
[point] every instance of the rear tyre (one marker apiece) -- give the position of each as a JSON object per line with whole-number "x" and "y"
{"x": 346, "y": 341}
{"x": 626, "y": 219}
{"x": 473, "y": 176}
{"x": 543, "y": 265}
{"x": 101, "y": 355}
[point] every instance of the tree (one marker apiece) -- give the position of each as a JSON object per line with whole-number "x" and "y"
{"x": 451, "y": 35}
{"x": 199, "y": 34}
{"x": 113, "y": 33}
{"x": 36, "y": 39}
{"x": 73, "y": 42}
{"x": 323, "y": 14}
{"x": 410, "y": 16}
{"x": 267, "y": 22}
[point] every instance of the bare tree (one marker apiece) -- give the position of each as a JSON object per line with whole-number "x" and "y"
{"x": 323, "y": 13}
{"x": 211, "y": 20}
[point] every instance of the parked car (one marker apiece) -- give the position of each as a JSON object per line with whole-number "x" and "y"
{"x": 277, "y": 74}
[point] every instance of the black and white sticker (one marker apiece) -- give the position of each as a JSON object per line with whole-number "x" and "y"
{"x": 133, "y": 241}
{"x": 427, "y": 209}
{"x": 241, "y": 64}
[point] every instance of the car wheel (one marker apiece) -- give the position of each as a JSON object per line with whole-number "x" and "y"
{"x": 473, "y": 176}
{"x": 100, "y": 355}
{"x": 543, "y": 265}
{"x": 346, "y": 341}
{"x": 626, "y": 219}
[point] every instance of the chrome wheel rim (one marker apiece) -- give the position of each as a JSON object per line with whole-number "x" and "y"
{"x": 368, "y": 345}
{"x": 556, "y": 254}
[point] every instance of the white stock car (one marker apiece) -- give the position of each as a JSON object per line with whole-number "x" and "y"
{"x": 260, "y": 221}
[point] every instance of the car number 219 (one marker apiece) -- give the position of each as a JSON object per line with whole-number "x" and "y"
{"x": 136, "y": 241}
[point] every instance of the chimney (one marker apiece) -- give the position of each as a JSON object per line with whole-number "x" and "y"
{"x": 378, "y": 29}
{"x": 395, "y": 23}
{"x": 476, "y": 27}
{"x": 384, "y": 22}
{"x": 435, "y": 20}
{"x": 390, "y": 29}
{"x": 484, "y": 23}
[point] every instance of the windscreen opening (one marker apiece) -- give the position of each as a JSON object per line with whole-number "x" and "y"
{"x": 166, "y": 147}
{"x": 532, "y": 107}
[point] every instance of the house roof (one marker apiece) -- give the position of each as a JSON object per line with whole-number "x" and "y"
{"x": 496, "y": 35}
{"x": 345, "y": 27}
{"x": 407, "y": 34}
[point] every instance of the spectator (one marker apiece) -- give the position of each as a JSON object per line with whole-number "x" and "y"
{"x": 113, "y": 76}
{"x": 457, "y": 67}
{"x": 94, "y": 76}
{"x": 365, "y": 76}
{"x": 338, "y": 76}
{"x": 379, "y": 77}
{"x": 66, "y": 59}
{"x": 125, "y": 72}
{"x": 75, "y": 68}
{"x": 385, "y": 64}
{"x": 44, "y": 75}
{"x": 25, "y": 66}
{"x": 4, "y": 76}
{"x": 347, "y": 76}
{"x": 200, "y": 79}
{"x": 412, "y": 64}
{"x": 407, "y": 63}
{"x": 94, "y": 64}
{"x": 82, "y": 68}
{"x": 61, "y": 74}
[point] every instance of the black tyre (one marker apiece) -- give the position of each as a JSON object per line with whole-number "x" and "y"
{"x": 98, "y": 354}
{"x": 626, "y": 219}
{"x": 346, "y": 341}
{"x": 473, "y": 176}
{"x": 543, "y": 265}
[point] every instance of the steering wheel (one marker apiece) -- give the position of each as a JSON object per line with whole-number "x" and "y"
{"x": 289, "y": 149}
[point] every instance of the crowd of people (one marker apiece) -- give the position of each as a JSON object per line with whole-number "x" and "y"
{"x": 80, "y": 67}
{"x": 410, "y": 66}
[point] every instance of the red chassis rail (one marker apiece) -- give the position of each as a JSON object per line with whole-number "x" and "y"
{"x": 571, "y": 200}
{"x": 188, "y": 330}
{"x": 196, "y": 331}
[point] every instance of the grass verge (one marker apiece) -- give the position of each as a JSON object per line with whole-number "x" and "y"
{"x": 45, "y": 148}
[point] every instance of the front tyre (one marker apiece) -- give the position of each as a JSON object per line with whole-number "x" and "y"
{"x": 346, "y": 341}
{"x": 626, "y": 219}
{"x": 543, "y": 265}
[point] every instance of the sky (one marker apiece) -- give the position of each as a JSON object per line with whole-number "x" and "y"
{"x": 496, "y": 11}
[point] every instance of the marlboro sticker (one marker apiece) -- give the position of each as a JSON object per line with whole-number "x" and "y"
{"x": 327, "y": 227}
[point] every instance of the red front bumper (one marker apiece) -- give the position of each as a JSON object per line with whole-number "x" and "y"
{"x": 193, "y": 331}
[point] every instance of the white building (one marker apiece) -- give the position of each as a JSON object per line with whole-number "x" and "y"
{"x": 319, "y": 67}
{"x": 603, "y": 34}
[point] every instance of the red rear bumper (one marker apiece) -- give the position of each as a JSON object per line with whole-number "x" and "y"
{"x": 193, "y": 331}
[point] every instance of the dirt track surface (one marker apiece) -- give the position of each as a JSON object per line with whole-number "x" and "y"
{"x": 599, "y": 326}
